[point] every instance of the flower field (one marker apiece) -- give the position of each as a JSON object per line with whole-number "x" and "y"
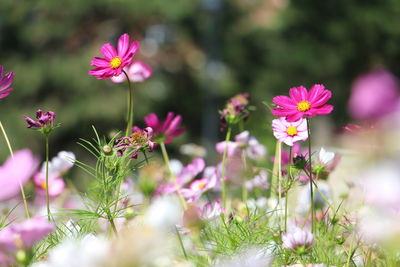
{"x": 297, "y": 204}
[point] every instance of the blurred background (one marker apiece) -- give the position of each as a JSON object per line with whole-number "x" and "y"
{"x": 202, "y": 52}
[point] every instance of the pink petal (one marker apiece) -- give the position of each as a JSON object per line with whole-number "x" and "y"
{"x": 6, "y": 93}
{"x": 294, "y": 117}
{"x": 326, "y": 109}
{"x": 108, "y": 51}
{"x": 131, "y": 52}
{"x": 123, "y": 43}
{"x": 298, "y": 93}
{"x": 322, "y": 98}
{"x": 100, "y": 62}
{"x": 284, "y": 101}
{"x": 6, "y": 81}
{"x": 152, "y": 121}
{"x": 315, "y": 91}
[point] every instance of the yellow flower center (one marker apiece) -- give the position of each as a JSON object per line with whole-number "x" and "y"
{"x": 201, "y": 185}
{"x": 291, "y": 130}
{"x": 303, "y": 106}
{"x": 43, "y": 185}
{"x": 137, "y": 139}
{"x": 115, "y": 62}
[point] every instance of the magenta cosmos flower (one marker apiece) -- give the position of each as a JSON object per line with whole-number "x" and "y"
{"x": 5, "y": 82}
{"x": 167, "y": 130}
{"x": 303, "y": 103}
{"x": 44, "y": 119}
{"x": 113, "y": 62}
{"x": 289, "y": 132}
{"x": 15, "y": 171}
{"x": 137, "y": 72}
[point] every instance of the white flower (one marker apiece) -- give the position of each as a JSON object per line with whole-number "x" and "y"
{"x": 297, "y": 239}
{"x": 325, "y": 156}
{"x": 164, "y": 213}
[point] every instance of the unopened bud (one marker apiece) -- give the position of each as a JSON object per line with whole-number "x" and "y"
{"x": 107, "y": 150}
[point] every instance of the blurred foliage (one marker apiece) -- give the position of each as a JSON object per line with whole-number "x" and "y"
{"x": 202, "y": 52}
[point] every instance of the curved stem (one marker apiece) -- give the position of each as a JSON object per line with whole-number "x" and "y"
{"x": 310, "y": 175}
{"x": 12, "y": 156}
{"x": 47, "y": 177}
{"x": 129, "y": 118}
{"x": 223, "y": 168}
{"x": 171, "y": 175}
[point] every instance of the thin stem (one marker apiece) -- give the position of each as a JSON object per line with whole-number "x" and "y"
{"x": 279, "y": 152}
{"x": 290, "y": 179}
{"x": 223, "y": 168}
{"x": 129, "y": 118}
{"x": 12, "y": 156}
{"x": 171, "y": 175}
{"x": 181, "y": 243}
{"x": 145, "y": 157}
{"x": 244, "y": 178}
{"x": 113, "y": 226}
{"x": 47, "y": 177}
{"x": 310, "y": 175}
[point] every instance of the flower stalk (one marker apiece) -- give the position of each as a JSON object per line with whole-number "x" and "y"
{"x": 310, "y": 176}
{"x": 129, "y": 118}
{"x": 223, "y": 168}
{"x": 47, "y": 177}
{"x": 171, "y": 175}
{"x": 12, "y": 155}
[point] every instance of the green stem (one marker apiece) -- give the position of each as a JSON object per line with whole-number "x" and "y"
{"x": 223, "y": 168}
{"x": 113, "y": 226}
{"x": 145, "y": 158}
{"x": 244, "y": 178}
{"x": 181, "y": 243}
{"x": 279, "y": 152}
{"x": 130, "y": 106}
{"x": 12, "y": 156}
{"x": 310, "y": 175}
{"x": 290, "y": 179}
{"x": 171, "y": 175}
{"x": 47, "y": 177}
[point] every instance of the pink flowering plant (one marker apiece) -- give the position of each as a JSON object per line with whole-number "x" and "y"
{"x": 251, "y": 198}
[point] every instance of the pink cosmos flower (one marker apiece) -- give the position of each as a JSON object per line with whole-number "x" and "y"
{"x": 303, "y": 103}
{"x": 290, "y": 132}
{"x": 198, "y": 187}
{"x": 298, "y": 239}
{"x": 24, "y": 235}
{"x": 139, "y": 140}
{"x": 5, "y": 82}
{"x": 15, "y": 171}
{"x": 137, "y": 72}
{"x": 211, "y": 211}
{"x": 243, "y": 142}
{"x": 185, "y": 175}
{"x": 366, "y": 103}
{"x": 113, "y": 62}
{"x": 56, "y": 183}
{"x": 167, "y": 130}
{"x": 44, "y": 119}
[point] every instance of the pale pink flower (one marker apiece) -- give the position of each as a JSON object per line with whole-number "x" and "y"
{"x": 198, "y": 187}
{"x": 211, "y": 211}
{"x": 243, "y": 143}
{"x": 137, "y": 72}
{"x": 290, "y": 132}
{"x": 113, "y": 62}
{"x": 297, "y": 239}
{"x": 16, "y": 171}
{"x": 303, "y": 103}
{"x": 25, "y": 234}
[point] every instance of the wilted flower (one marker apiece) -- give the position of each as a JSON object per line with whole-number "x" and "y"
{"x": 113, "y": 62}
{"x": 236, "y": 109}
{"x": 298, "y": 240}
{"x": 364, "y": 98}
{"x": 139, "y": 140}
{"x": 45, "y": 121}
{"x": 167, "y": 130}
{"x": 303, "y": 103}
{"x": 5, "y": 82}
{"x": 16, "y": 171}
{"x": 137, "y": 72}
{"x": 290, "y": 132}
